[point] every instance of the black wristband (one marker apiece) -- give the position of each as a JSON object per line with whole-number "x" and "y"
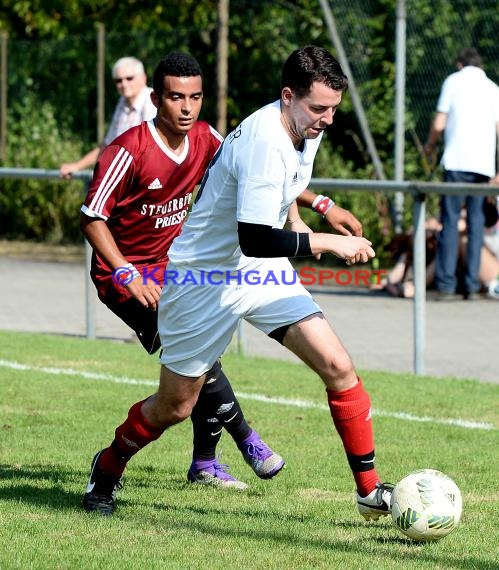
{"x": 303, "y": 245}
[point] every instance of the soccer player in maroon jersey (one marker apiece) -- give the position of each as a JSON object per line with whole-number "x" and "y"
{"x": 136, "y": 205}
{"x": 138, "y": 200}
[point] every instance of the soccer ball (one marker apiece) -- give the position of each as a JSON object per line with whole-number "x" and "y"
{"x": 426, "y": 505}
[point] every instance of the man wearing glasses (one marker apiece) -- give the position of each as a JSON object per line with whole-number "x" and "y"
{"x": 133, "y": 107}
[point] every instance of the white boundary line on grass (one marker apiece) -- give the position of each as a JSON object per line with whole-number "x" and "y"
{"x": 306, "y": 404}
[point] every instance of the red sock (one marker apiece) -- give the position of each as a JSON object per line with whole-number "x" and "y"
{"x": 130, "y": 437}
{"x": 351, "y": 413}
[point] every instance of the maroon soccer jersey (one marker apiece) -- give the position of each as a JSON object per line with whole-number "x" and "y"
{"x": 143, "y": 191}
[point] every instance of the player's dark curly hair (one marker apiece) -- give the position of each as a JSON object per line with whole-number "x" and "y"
{"x": 175, "y": 64}
{"x": 311, "y": 64}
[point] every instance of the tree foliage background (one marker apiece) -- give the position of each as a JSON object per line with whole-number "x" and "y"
{"x": 52, "y": 83}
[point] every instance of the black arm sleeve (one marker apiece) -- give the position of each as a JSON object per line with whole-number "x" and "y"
{"x": 257, "y": 240}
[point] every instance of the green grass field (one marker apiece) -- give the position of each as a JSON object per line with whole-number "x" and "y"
{"x": 61, "y": 399}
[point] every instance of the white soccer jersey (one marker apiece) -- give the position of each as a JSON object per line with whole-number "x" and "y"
{"x": 258, "y": 174}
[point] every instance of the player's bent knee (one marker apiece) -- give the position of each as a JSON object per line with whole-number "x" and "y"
{"x": 344, "y": 366}
{"x": 165, "y": 410}
{"x": 172, "y": 414}
{"x": 179, "y": 414}
{"x": 339, "y": 371}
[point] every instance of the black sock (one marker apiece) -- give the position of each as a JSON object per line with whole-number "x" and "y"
{"x": 217, "y": 408}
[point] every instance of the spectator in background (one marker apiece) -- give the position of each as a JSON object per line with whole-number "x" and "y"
{"x": 489, "y": 266}
{"x": 399, "y": 281}
{"x": 491, "y": 209}
{"x": 468, "y": 113}
{"x": 133, "y": 107}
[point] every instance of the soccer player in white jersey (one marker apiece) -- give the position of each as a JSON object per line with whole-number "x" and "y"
{"x": 231, "y": 263}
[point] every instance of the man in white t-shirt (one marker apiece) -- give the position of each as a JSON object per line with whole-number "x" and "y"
{"x": 468, "y": 115}
{"x": 133, "y": 107}
{"x": 231, "y": 262}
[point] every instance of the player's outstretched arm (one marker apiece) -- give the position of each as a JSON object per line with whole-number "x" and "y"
{"x": 257, "y": 240}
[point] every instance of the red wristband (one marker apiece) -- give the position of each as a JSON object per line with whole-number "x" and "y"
{"x": 322, "y": 204}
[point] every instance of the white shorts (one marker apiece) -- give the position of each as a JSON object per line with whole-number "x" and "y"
{"x": 197, "y": 317}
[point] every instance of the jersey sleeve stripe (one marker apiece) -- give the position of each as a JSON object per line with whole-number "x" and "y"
{"x": 92, "y": 214}
{"x": 98, "y": 194}
{"x": 113, "y": 175}
{"x": 114, "y": 180}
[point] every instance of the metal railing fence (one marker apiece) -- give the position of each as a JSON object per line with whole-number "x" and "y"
{"x": 85, "y": 176}
{"x": 418, "y": 190}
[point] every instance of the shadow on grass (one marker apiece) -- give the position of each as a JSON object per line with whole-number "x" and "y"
{"x": 40, "y": 485}
{"x": 181, "y": 517}
{"x": 47, "y": 486}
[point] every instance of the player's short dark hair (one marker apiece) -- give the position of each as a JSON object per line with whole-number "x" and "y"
{"x": 175, "y": 64}
{"x": 469, "y": 56}
{"x": 311, "y": 64}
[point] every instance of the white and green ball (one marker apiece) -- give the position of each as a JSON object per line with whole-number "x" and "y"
{"x": 426, "y": 505}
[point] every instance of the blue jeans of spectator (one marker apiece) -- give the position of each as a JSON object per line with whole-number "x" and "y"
{"x": 448, "y": 239}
